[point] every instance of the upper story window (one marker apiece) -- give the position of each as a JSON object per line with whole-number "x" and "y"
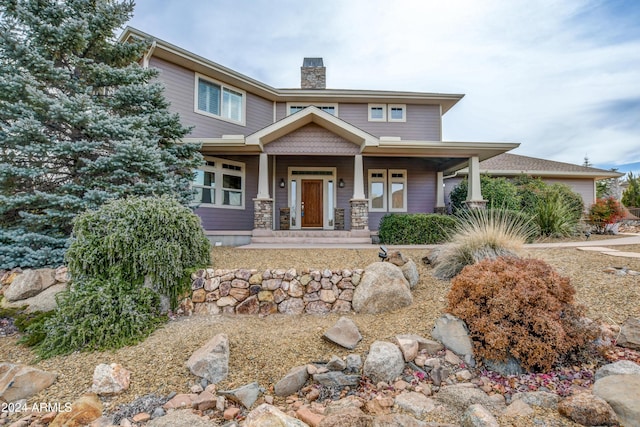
{"x": 295, "y": 107}
{"x": 397, "y": 113}
{"x": 218, "y": 100}
{"x": 219, "y": 183}
{"x": 377, "y": 112}
{"x": 387, "y": 112}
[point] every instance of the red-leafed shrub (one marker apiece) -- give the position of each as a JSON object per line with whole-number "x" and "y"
{"x": 605, "y": 212}
{"x": 519, "y": 308}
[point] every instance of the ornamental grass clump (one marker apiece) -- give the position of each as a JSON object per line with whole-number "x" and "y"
{"x": 481, "y": 234}
{"x": 520, "y": 309}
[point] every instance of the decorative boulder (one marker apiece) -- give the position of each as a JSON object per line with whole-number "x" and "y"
{"x": 268, "y": 415}
{"x": 622, "y": 393}
{"x": 344, "y": 332}
{"x": 410, "y": 271}
{"x": 292, "y": 382}
{"x": 21, "y": 381}
{"x": 453, "y": 333}
{"x": 382, "y": 288}
{"x": 211, "y": 361}
{"x": 384, "y": 362}
{"x": 30, "y": 283}
{"x": 83, "y": 411}
{"x": 588, "y": 410}
{"x": 110, "y": 379}
{"x": 630, "y": 333}
{"x": 44, "y": 301}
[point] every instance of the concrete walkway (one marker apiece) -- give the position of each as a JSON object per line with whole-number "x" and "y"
{"x": 630, "y": 239}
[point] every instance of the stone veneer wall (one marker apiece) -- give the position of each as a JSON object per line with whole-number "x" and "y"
{"x": 244, "y": 291}
{"x": 359, "y": 214}
{"x": 263, "y": 214}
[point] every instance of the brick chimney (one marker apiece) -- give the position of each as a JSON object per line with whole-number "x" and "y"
{"x": 313, "y": 74}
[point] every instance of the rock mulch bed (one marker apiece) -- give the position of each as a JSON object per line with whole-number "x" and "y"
{"x": 157, "y": 365}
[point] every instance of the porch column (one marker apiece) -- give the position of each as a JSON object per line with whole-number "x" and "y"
{"x": 263, "y": 177}
{"x": 263, "y": 203}
{"x": 440, "y": 206}
{"x": 359, "y": 202}
{"x": 474, "y": 191}
{"x": 358, "y": 178}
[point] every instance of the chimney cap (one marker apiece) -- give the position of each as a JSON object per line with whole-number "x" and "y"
{"x": 312, "y": 62}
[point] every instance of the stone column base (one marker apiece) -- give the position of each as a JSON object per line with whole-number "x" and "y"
{"x": 263, "y": 214}
{"x": 359, "y": 214}
{"x": 440, "y": 210}
{"x": 476, "y": 204}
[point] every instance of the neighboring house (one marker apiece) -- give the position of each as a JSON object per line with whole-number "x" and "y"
{"x": 309, "y": 162}
{"x": 581, "y": 179}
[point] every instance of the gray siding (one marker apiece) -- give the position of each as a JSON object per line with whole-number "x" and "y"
{"x": 312, "y": 139}
{"x": 234, "y": 219}
{"x": 180, "y": 92}
{"x": 421, "y": 184}
{"x": 423, "y": 122}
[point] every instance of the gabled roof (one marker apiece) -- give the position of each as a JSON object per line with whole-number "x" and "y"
{"x": 167, "y": 51}
{"x": 508, "y": 164}
{"x": 308, "y": 115}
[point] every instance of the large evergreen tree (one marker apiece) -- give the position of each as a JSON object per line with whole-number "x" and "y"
{"x": 80, "y": 123}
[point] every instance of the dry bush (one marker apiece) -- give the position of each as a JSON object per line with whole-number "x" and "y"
{"x": 519, "y": 308}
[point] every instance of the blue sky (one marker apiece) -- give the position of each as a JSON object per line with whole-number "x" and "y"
{"x": 560, "y": 77}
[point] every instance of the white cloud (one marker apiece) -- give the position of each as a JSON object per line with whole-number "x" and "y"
{"x": 544, "y": 73}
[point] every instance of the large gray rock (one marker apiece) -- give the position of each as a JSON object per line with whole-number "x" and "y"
{"x": 622, "y": 392}
{"x": 44, "y": 301}
{"x": 415, "y": 403}
{"x": 621, "y": 367}
{"x": 588, "y": 410}
{"x": 430, "y": 346}
{"x": 292, "y": 382}
{"x": 211, "y": 361}
{"x": 30, "y": 283}
{"x": 245, "y": 395}
{"x": 21, "y": 381}
{"x": 543, "y": 399}
{"x": 336, "y": 379}
{"x": 410, "y": 272}
{"x": 384, "y": 361}
{"x": 453, "y": 333}
{"x": 382, "y": 288}
{"x": 268, "y": 415}
{"x": 180, "y": 419}
{"x": 477, "y": 415}
{"x": 630, "y": 333}
{"x": 461, "y": 396}
{"x": 345, "y": 333}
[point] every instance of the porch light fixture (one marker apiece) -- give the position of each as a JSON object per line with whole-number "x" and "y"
{"x": 282, "y": 183}
{"x": 341, "y": 183}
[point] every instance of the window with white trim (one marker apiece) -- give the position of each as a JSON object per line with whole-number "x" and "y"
{"x": 397, "y": 190}
{"x": 328, "y": 108}
{"x": 219, "y": 183}
{"x": 387, "y": 190}
{"x": 377, "y": 112}
{"x": 397, "y": 113}
{"x": 377, "y": 190}
{"x": 218, "y": 100}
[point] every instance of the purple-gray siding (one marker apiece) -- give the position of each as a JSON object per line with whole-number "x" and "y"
{"x": 423, "y": 121}
{"x": 180, "y": 92}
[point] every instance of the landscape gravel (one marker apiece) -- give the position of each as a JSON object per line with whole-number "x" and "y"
{"x": 264, "y": 349}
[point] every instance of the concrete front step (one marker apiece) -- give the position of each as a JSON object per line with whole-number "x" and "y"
{"x": 312, "y": 240}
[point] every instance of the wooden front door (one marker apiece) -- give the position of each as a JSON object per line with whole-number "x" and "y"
{"x": 311, "y": 209}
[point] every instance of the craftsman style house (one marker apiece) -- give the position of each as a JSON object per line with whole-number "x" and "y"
{"x": 310, "y": 162}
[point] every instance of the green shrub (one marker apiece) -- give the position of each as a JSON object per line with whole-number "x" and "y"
{"x": 500, "y": 193}
{"x": 481, "y": 234}
{"x": 138, "y": 238}
{"x": 415, "y": 229}
{"x": 519, "y": 308}
{"x": 553, "y": 216}
{"x": 97, "y": 314}
{"x": 604, "y": 213}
